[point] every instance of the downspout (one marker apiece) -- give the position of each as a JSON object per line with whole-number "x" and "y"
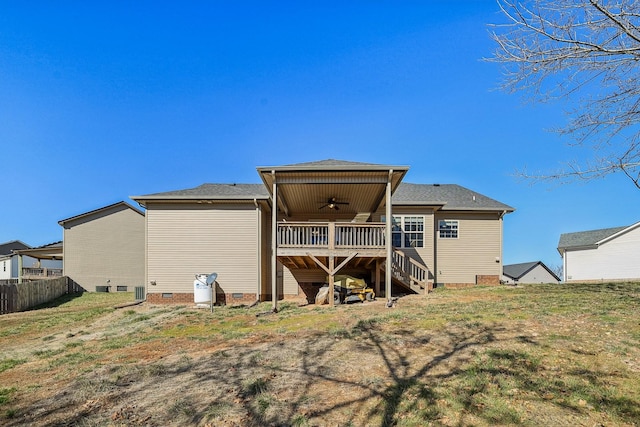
{"x": 501, "y": 244}
{"x": 259, "y": 248}
{"x": 147, "y": 283}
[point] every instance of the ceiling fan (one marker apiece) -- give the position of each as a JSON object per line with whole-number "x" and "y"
{"x": 332, "y": 203}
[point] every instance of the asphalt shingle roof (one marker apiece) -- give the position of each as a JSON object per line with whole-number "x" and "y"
{"x": 516, "y": 271}
{"x": 332, "y": 162}
{"x": 214, "y": 191}
{"x": 452, "y": 196}
{"x": 586, "y": 238}
{"x": 7, "y": 247}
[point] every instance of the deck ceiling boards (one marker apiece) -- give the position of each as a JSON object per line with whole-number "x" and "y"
{"x": 305, "y": 192}
{"x": 313, "y": 198}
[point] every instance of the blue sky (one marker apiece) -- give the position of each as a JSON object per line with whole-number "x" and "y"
{"x": 103, "y": 100}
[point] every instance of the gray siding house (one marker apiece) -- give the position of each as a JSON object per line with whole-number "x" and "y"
{"x": 105, "y": 247}
{"x": 528, "y": 272}
{"x": 308, "y": 222}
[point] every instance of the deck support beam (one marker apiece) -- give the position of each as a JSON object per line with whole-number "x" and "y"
{"x": 331, "y": 270}
{"x": 274, "y": 244}
{"x": 19, "y": 268}
{"x": 389, "y": 220}
{"x": 378, "y": 278}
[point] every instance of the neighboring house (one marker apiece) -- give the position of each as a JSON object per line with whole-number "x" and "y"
{"x": 8, "y": 260}
{"x": 601, "y": 255}
{"x": 330, "y": 217}
{"x": 105, "y": 247}
{"x": 35, "y": 265}
{"x": 528, "y": 272}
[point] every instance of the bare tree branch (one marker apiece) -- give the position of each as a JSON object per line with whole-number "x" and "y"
{"x": 585, "y": 51}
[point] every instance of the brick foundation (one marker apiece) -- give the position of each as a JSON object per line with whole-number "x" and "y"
{"x": 487, "y": 280}
{"x": 481, "y": 280}
{"x": 187, "y": 298}
{"x": 221, "y": 299}
{"x": 170, "y": 298}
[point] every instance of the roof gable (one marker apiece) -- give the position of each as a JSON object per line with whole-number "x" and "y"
{"x": 100, "y": 211}
{"x": 619, "y": 233}
{"x": 8, "y": 247}
{"x": 517, "y": 271}
{"x": 590, "y": 238}
{"x": 332, "y": 164}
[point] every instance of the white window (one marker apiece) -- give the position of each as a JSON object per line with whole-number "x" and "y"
{"x": 407, "y": 231}
{"x": 448, "y": 228}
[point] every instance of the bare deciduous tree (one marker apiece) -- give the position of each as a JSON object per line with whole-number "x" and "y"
{"x": 558, "y": 270}
{"x": 588, "y": 51}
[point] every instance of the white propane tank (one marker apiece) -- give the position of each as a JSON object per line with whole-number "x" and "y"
{"x": 201, "y": 291}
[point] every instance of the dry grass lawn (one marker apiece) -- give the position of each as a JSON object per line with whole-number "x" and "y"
{"x": 526, "y": 355}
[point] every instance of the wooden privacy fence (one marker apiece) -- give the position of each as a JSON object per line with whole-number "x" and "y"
{"x": 22, "y": 296}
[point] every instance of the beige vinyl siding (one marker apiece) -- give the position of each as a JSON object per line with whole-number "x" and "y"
{"x": 476, "y": 251}
{"x": 188, "y": 239}
{"x": 425, "y": 254}
{"x": 265, "y": 239}
{"x": 107, "y": 246}
{"x": 289, "y": 282}
{"x": 291, "y": 278}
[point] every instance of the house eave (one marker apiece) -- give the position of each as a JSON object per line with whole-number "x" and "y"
{"x": 577, "y": 248}
{"x": 143, "y": 201}
{"x": 619, "y": 233}
{"x": 331, "y": 168}
{"x": 62, "y": 222}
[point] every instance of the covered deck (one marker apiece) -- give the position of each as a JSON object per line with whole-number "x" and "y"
{"x": 360, "y": 245}
{"x": 53, "y": 251}
{"x": 320, "y": 218}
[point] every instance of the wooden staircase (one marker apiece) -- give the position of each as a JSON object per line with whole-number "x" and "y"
{"x": 409, "y": 273}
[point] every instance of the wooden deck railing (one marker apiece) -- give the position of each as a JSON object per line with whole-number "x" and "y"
{"x": 331, "y": 235}
{"x": 41, "y": 272}
{"x": 369, "y": 235}
{"x": 409, "y": 270}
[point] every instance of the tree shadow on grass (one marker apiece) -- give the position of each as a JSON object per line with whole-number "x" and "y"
{"x": 370, "y": 374}
{"x": 514, "y": 373}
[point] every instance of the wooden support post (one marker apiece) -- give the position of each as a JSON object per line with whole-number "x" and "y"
{"x": 19, "y": 268}
{"x": 330, "y": 296}
{"x": 378, "y": 278}
{"x": 274, "y": 244}
{"x": 389, "y": 221}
